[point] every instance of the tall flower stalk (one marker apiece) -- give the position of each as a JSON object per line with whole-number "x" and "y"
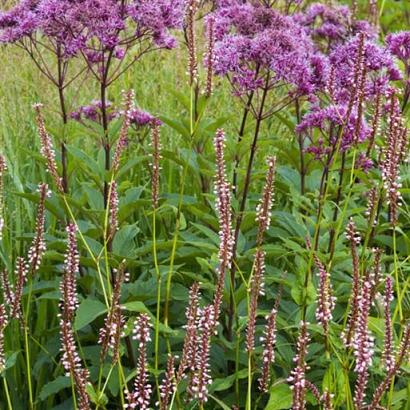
{"x": 190, "y": 341}
{"x": 388, "y": 353}
{"x": 363, "y": 341}
{"x": 68, "y": 287}
{"x": 326, "y": 302}
{"x": 223, "y": 206}
{"x": 297, "y": 378}
{"x": 402, "y": 355}
{"x": 47, "y": 149}
{"x": 140, "y": 397}
{"x": 3, "y": 169}
{"x": 201, "y": 375}
{"x": 354, "y": 239}
{"x": 3, "y": 325}
{"x": 110, "y": 333}
{"x": 263, "y": 218}
{"x": 268, "y": 355}
{"x": 38, "y": 245}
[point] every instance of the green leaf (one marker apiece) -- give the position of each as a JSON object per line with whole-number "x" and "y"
{"x": 88, "y": 310}
{"x": 226, "y": 382}
{"x": 280, "y": 397}
{"x": 123, "y": 243}
{"x": 62, "y": 382}
{"x": 222, "y": 404}
{"x": 11, "y": 360}
{"x": 136, "y": 306}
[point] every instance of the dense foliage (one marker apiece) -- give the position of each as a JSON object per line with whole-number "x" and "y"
{"x": 238, "y": 238}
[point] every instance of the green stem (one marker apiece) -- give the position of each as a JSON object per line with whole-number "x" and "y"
{"x": 27, "y": 347}
{"x": 101, "y": 393}
{"x": 396, "y": 273}
{"x": 95, "y": 260}
{"x": 6, "y": 389}
{"x": 193, "y": 125}
{"x": 158, "y": 274}
{"x": 249, "y": 393}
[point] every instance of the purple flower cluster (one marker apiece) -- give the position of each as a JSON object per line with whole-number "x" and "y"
{"x": 354, "y": 86}
{"x": 378, "y": 63}
{"x": 331, "y": 24}
{"x": 92, "y": 112}
{"x": 76, "y": 24}
{"x": 399, "y": 45}
{"x": 326, "y": 121}
{"x": 257, "y": 47}
{"x": 140, "y": 118}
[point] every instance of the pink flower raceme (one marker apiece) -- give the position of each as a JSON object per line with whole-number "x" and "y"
{"x": 201, "y": 375}
{"x": 297, "y": 378}
{"x": 210, "y": 55}
{"x": 21, "y": 278}
{"x": 268, "y": 356}
{"x": 363, "y": 341}
{"x": 68, "y": 286}
{"x": 113, "y": 203}
{"x": 68, "y": 306}
{"x": 190, "y": 341}
{"x": 110, "y": 334}
{"x": 402, "y": 356}
{"x": 388, "y": 352}
{"x": 140, "y": 397}
{"x": 128, "y": 103}
{"x": 168, "y": 385}
{"x": 38, "y": 245}
{"x": 263, "y": 217}
{"x": 326, "y": 301}
{"x": 47, "y": 149}
{"x": 223, "y": 206}
{"x": 393, "y": 154}
{"x": 3, "y": 169}
{"x": 3, "y": 325}
{"x": 354, "y": 240}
